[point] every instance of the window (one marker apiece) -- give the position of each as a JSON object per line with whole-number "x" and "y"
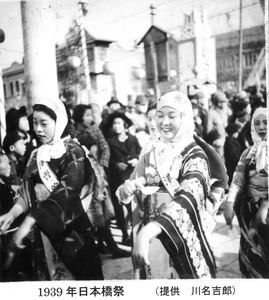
{"x": 5, "y": 90}
{"x": 11, "y": 89}
{"x": 17, "y": 86}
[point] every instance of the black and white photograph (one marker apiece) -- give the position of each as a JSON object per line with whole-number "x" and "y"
{"x": 133, "y": 149}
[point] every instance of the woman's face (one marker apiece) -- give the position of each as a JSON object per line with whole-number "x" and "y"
{"x": 151, "y": 123}
{"x": 5, "y": 168}
{"x": 44, "y": 126}
{"x": 168, "y": 121}
{"x": 88, "y": 117}
{"x": 118, "y": 126}
{"x": 260, "y": 125}
{"x": 24, "y": 124}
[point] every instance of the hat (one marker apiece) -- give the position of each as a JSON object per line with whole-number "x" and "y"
{"x": 218, "y": 96}
{"x": 13, "y": 117}
{"x": 118, "y": 114}
{"x": 10, "y": 139}
{"x": 113, "y": 100}
{"x": 141, "y": 100}
{"x": 232, "y": 128}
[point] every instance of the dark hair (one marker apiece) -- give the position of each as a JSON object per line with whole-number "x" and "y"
{"x": 46, "y": 110}
{"x": 152, "y": 106}
{"x": 51, "y": 113}
{"x": 79, "y": 111}
{"x": 212, "y": 136}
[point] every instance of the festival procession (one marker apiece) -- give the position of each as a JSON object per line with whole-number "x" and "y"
{"x": 133, "y": 140}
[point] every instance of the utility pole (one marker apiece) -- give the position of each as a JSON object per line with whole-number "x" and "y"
{"x": 2, "y": 99}
{"x": 82, "y": 12}
{"x": 240, "y": 48}
{"x": 39, "y": 51}
{"x": 152, "y": 14}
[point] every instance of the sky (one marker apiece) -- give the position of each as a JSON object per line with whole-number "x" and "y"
{"x": 124, "y": 21}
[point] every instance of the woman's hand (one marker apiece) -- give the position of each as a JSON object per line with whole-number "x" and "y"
{"x": 121, "y": 166}
{"x": 131, "y": 186}
{"x": 5, "y": 222}
{"x": 229, "y": 212}
{"x": 7, "y": 219}
{"x": 23, "y": 231}
{"x": 140, "y": 251}
{"x": 133, "y": 162}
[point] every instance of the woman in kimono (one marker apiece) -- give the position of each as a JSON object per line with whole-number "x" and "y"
{"x": 56, "y": 224}
{"x": 176, "y": 213}
{"x": 248, "y": 198}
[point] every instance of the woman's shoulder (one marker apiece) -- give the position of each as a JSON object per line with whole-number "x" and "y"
{"x": 193, "y": 149}
{"x": 73, "y": 146}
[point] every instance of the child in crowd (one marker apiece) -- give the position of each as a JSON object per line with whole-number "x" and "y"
{"x": 15, "y": 148}
{"x": 16, "y": 119}
{"x": 18, "y": 269}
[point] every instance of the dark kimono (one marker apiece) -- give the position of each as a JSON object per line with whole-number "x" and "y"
{"x": 232, "y": 153}
{"x": 62, "y": 245}
{"x": 249, "y": 188}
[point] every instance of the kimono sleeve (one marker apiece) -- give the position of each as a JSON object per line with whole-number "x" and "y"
{"x": 63, "y": 206}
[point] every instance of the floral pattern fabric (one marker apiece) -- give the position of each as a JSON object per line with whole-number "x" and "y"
{"x": 185, "y": 232}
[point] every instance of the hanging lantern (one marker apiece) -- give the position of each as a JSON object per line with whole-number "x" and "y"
{"x": 73, "y": 62}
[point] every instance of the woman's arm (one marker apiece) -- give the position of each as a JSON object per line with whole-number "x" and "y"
{"x": 141, "y": 247}
{"x": 7, "y": 219}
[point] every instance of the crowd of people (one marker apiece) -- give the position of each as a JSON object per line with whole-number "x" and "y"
{"x": 161, "y": 168}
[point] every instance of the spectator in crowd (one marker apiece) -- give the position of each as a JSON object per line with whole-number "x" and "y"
{"x": 139, "y": 119}
{"x": 241, "y": 118}
{"x": 101, "y": 209}
{"x": 83, "y": 122}
{"x": 248, "y": 198}
{"x": 113, "y": 105}
{"x": 175, "y": 214}
{"x": 20, "y": 270}
{"x": 139, "y": 116}
{"x": 62, "y": 242}
{"x": 213, "y": 138}
{"x": 218, "y": 115}
{"x": 14, "y": 147}
{"x": 125, "y": 150}
{"x": 16, "y": 119}
{"x": 197, "y": 118}
{"x": 232, "y": 149}
{"x": 239, "y": 104}
{"x": 152, "y": 128}
{"x": 245, "y": 137}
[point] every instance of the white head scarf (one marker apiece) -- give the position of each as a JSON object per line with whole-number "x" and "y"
{"x": 258, "y": 152}
{"x": 56, "y": 148}
{"x": 181, "y": 103}
{"x": 168, "y": 153}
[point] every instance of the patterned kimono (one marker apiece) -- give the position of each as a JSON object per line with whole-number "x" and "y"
{"x": 183, "y": 219}
{"x": 249, "y": 192}
{"x": 62, "y": 243}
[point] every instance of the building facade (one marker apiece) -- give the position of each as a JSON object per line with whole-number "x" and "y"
{"x": 227, "y": 56}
